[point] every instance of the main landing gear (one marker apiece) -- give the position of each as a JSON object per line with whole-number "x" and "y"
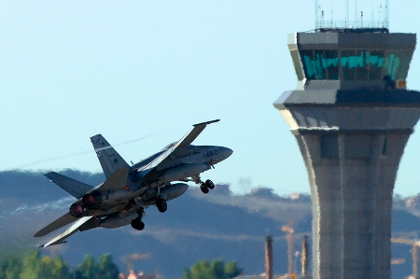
{"x": 137, "y": 223}
{"x": 204, "y": 186}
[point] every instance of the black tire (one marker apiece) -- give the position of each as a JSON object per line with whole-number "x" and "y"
{"x": 137, "y": 224}
{"x": 161, "y": 205}
{"x": 204, "y": 188}
{"x": 209, "y": 184}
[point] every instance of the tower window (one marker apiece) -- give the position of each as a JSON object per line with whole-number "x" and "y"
{"x": 354, "y": 64}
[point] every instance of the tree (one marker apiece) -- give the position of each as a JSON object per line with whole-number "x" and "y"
{"x": 201, "y": 270}
{"x": 107, "y": 268}
{"x": 186, "y": 274}
{"x": 10, "y": 267}
{"x": 232, "y": 270}
{"x": 215, "y": 270}
{"x": 31, "y": 265}
{"x": 60, "y": 269}
{"x": 88, "y": 268}
{"x": 75, "y": 274}
{"x": 35, "y": 267}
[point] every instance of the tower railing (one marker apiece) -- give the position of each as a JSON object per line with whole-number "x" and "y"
{"x": 351, "y": 24}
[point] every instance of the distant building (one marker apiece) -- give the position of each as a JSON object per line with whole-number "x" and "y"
{"x": 139, "y": 275}
{"x": 261, "y": 276}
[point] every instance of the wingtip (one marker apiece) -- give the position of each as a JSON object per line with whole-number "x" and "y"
{"x": 207, "y": 122}
{"x": 48, "y": 174}
{"x": 47, "y": 244}
{"x": 95, "y": 137}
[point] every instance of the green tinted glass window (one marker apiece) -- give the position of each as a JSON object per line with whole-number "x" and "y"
{"x": 348, "y": 64}
{"x": 331, "y": 64}
{"x": 320, "y": 64}
{"x": 375, "y": 60}
{"x": 355, "y": 64}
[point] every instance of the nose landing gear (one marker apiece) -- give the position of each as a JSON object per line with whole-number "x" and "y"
{"x": 204, "y": 186}
{"x": 209, "y": 184}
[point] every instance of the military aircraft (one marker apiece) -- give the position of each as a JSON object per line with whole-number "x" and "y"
{"x": 129, "y": 190}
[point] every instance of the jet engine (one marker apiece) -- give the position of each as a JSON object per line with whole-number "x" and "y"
{"x": 76, "y": 210}
{"x": 92, "y": 199}
{"x": 89, "y": 201}
{"x": 96, "y": 199}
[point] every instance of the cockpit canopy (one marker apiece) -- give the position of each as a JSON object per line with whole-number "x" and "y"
{"x": 169, "y": 146}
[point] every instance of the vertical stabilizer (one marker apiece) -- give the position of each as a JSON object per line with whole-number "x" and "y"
{"x": 108, "y": 157}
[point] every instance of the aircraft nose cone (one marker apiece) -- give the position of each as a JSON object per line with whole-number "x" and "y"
{"x": 227, "y": 152}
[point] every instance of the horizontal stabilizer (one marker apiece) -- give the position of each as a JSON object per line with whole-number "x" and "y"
{"x": 74, "y": 187}
{"x": 60, "y": 222}
{"x": 73, "y": 229}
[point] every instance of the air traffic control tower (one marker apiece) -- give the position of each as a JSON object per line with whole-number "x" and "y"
{"x": 352, "y": 116}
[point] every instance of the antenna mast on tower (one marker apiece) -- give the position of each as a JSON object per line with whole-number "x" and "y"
{"x": 346, "y": 23}
{"x": 386, "y": 20}
{"x": 356, "y": 14}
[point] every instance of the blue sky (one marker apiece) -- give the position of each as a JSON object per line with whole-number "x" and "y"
{"x": 148, "y": 70}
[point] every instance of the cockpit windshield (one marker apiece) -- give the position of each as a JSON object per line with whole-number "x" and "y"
{"x": 169, "y": 146}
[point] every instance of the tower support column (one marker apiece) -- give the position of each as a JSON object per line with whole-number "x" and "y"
{"x": 352, "y": 202}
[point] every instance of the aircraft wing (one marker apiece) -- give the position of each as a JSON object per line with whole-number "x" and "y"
{"x": 71, "y": 230}
{"x": 191, "y": 136}
{"x": 60, "y": 222}
{"x": 185, "y": 141}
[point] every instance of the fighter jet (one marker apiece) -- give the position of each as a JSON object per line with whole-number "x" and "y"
{"x": 128, "y": 190}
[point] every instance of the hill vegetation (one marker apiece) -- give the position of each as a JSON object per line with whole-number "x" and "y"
{"x": 219, "y": 225}
{"x": 33, "y": 266}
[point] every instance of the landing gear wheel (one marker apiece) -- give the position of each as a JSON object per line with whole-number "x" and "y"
{"x": 137, "y": 224}
{"x": 209, "y": 184}
{"x": 161, "y": 205}
{"x": 204, "y": 188}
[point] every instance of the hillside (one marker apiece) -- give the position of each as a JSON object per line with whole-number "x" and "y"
{"x": 195, "y": 227}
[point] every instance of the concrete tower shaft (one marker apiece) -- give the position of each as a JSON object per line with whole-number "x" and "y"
{"x": 351, "y": 122}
